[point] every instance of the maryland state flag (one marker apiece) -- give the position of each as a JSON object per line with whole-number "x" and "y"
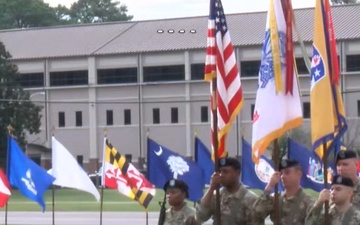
{"x": 120, "y": 174}
{"x": 328, "y": 122}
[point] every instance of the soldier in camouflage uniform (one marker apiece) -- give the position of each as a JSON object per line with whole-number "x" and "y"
{"x": 294, "y": 203}
{"x": 346, "y": 165}
{"x": 341, "y": 211}
{"x": 235, "y": 199}
{"x": 179, "y": 213}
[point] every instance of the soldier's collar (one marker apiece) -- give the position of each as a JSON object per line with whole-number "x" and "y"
{"x": 298, "y": 193}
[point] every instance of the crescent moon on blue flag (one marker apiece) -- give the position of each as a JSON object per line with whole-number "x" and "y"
{"x": 158, "y": 153}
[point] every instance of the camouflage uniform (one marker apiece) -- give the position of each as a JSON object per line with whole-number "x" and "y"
{"x": 350, "y": 217}
{"x": 356, "y": 196}
{"x": 235, "y": 208}
{"x": 293, "y": 210}
{"x": 186, "y": 216}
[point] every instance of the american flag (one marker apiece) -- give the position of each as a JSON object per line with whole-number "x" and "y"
{"x": 221, "y": 63}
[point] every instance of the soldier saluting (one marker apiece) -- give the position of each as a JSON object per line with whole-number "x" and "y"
{"x": 176, "y": 191}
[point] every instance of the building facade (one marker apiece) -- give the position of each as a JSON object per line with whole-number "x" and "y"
{"x": 143, "y": 79}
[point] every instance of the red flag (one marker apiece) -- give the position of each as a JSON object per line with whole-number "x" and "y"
{"x": 221, "y": 62}
{"x": 4, "y": 189}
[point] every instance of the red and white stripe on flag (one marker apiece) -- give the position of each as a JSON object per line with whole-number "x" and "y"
{"x": 221, "y": 63}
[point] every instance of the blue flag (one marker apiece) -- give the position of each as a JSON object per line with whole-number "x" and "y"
{"x": 31, "y": 180}
{"x": 252, "y": 175}
{"x": 203, "y": 159}
{"x": 312, "y": 166}
{"x": 164, "y": 164}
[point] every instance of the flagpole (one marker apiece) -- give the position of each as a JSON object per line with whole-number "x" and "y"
{"x": 53, "y": 204}
{"x": 9, "y": 129}
{"x": 102, "y": 180}
{"x": 216, "y": 146}
{"x": 276, "y": 160}
{"x": 325, "y": 165}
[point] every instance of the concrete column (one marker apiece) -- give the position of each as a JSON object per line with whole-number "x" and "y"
{"x": 189, "y": 132}
{"x": 95, "y": 151}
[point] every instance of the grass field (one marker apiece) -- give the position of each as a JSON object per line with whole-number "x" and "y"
{"x": 74, "y": 200}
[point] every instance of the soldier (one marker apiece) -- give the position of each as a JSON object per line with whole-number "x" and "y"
{"x": 341, "y": 211}
{"x": 294, "y": 203}
{"x": 346, "y": 165}
{"x": 235, "y": 199}
{"x": 179, "y": 213}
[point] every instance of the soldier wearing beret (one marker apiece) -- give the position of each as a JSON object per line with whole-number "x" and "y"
{"x": 341, "y": 212}
{"x": 235, "y": 200}
{"x": 294, "y": 203}
{"x": 346, "y": 165}
{"x": 179, "y": 213}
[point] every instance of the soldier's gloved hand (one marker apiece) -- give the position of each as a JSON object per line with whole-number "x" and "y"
{"x": 215, "y": 181}
{"x": 324, "y": 196}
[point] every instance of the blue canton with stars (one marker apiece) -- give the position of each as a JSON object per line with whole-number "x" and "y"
{"x": 267, "y": 63}
{"x": 217, "y": 14}
{"x": 317, "y": 67}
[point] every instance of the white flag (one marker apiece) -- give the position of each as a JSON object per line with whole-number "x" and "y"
{"x": 68, "y": 172}
{"x": 275, "y": 111}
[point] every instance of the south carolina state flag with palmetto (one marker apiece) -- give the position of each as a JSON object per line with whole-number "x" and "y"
{"x": 327, "y": 111}
{"x": 276, "y": 110}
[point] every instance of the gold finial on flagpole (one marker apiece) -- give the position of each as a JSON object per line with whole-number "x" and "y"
{"x": 195, "y": 132}
{"x": 10, "y": 129}
{"x": 147, "y": 132}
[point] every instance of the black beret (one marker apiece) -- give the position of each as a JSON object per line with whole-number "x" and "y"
{"x": 337, "y": 179}
{"x": 288, "y": 163}
{"x": 179, "y": 184}
{"x": 348, "y": 154}
{"x": 229, "y": 161}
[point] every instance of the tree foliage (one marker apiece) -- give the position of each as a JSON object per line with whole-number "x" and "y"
{"x": 16, "y": 109}
{"x": 37, "y": 13}
{"x": 94, "y": 11}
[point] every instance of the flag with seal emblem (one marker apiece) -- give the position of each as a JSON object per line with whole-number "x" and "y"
{"x": 276, "y": 110}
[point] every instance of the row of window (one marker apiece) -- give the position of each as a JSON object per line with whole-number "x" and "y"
{"x": 204, "y": 117}
{"x": 154, "y": 73}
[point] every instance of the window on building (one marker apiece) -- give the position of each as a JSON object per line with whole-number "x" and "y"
{"x": 117, "y": 76}
{"x": 164, "y": 73}
{"x": 306, "y": 108}
{"x": 174, "y": 115}
{"x": 301, "y": 66}
{"x": 352, "y": 63}
{"x": 156, "y": 115}
{"x": 61, "y": 116}
{"x": 78, "y": 118}
{"x": 109, "y": 117}
{"x": 127, "y": 116}
{"x": 69, "y": 78}
{"x": 252, "y": 111}
{"x": 30, "y": 80}
{"x": 358, "y": 108}
{"x": 80, "y": 160}
{"x": 250, "y": 68}
{"x": 204, "y": 114}
{"x": 197, "y": 71}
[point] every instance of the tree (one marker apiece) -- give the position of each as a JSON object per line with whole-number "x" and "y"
{"x": 15, "y": 106}
{"x": 26, "y": 13}
{"x": 95, "y": 11}
{"x": 340, "y": 2}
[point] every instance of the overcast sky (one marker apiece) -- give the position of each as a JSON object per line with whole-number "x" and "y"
{"x": 161, "y": 9}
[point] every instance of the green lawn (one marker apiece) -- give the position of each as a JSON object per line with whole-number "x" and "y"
{"x": 74, "y": 200}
